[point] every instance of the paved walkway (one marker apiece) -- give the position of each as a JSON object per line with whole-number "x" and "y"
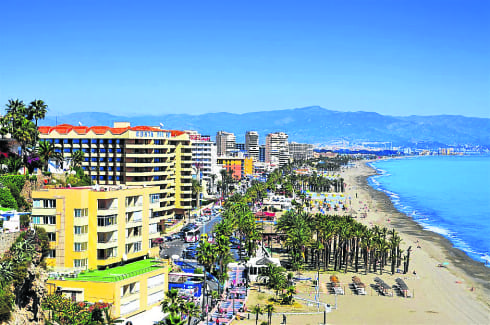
{"x": 234, "y": 300}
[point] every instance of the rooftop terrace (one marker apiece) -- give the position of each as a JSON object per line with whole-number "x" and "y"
{"x": 115, "y": 274}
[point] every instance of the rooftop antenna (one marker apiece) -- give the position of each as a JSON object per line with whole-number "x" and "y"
{"x": 161, "y": 125}
{"x": 79, "y": 123}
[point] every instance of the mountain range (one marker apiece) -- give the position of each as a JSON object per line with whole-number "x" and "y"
{"x": 312, "y": 124}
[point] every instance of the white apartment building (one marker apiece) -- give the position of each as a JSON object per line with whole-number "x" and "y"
{"x": 276, "y": 148}
{"x": 202, "y": 155}
{"x": 252, "y": 144}
{"x": 225, "y": 142}
{"x": 300, "y": 151}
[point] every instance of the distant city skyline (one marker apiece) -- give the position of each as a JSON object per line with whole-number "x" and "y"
{"x": 395, "y": 58}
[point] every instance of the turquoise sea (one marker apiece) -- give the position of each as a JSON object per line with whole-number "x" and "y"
{"x": 449, "y": 195}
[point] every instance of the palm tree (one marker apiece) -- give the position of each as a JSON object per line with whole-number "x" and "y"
{"x": 190, "y": 309}
{"x": 26, "y": 135}
{"x": 206, "y": 255}
{"x": 47, "y": 151}
{"x": 257, "y": 310}
{"x": 109, "y": 320}
{"x": 196, "y": 190}
{"x": 13, "y": 163}
{"x": 270, "y": 309}
{"x": 77, "y": 158}
{"x": 37, "y": 109}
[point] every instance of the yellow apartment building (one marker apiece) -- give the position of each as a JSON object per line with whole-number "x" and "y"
{"x": 139, "y": 155}
{"x": 95, "y": 227}
{"x": 130, "y": 289}
{"x": 102, "y": 240}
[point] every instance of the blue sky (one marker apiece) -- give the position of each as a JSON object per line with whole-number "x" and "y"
{"x": 154, "y": 57}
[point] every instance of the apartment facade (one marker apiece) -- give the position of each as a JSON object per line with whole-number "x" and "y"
{"x": 252, "y": 144}
{"x": 225, "y": 143}
{"x": 95, "y": 227}
{"x": 240, "y": 167}
{"x": 276, "y": 148}
{"x": 300, "y": 151}
{"x": 139, "y": 155}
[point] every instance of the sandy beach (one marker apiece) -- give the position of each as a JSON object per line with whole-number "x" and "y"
{"x": 456, "y": 294}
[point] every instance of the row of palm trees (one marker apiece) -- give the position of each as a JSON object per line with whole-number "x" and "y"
{"x": 340, "y": 243}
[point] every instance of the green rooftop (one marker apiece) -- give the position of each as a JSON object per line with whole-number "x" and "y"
{"x": 119, "y": 273}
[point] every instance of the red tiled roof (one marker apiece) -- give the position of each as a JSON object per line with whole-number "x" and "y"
{"x": 66, "y": 128}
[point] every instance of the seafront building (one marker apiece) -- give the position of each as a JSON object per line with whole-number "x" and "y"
{"x": 239, "y": 167}
{"x": 225, "y": 143}
{"x": 277, "y": 149}
{"x": 125, "y": 155}
{"x": 252, "y": 144}
{"x": 203, "y": 157}
{"x": 102, "y": 240}
{"x": 300, "y": 151}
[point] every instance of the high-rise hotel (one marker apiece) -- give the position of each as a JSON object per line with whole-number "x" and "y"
{"x": 125, "y": 155}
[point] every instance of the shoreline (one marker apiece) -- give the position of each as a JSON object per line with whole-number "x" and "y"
{"x": 471, "y": 268}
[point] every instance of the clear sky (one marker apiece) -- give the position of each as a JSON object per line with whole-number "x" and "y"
{"x": 393, "y": 57}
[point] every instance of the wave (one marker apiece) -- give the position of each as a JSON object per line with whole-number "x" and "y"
{"x": 429, "y": 220}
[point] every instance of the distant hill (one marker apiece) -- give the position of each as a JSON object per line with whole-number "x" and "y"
{"x": 312, "y": 125}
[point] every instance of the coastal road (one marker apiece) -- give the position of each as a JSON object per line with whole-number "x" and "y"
{"x": 177, "y": 246}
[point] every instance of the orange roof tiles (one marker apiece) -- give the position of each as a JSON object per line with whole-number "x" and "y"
{"x": 66, "y": 128}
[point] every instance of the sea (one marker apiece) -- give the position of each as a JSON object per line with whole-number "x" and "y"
{"x": 449, "y": 195}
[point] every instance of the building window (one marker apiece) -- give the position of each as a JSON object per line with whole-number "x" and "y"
{"x": 106, "y": 220}
{"x": 51, "y": 253}
{"x": 80, "y": 247}
{"x": 80, "y": 263}
{"x": 79, "y": 230}
{"x": 94, "y": 159}
{"x": 44, "y": 203}
{"x": 129, "y": 289}
{"x": 77, "y": 213}
{"x": 84, "y": 141}
{"x": 154, "y": 198}
{"x": 51, "y": 236}
{"x": 137, "y": 247}
{"x": 44, "y": 220}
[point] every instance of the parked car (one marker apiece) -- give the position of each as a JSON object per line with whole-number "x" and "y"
{"x": 168, "y": 238}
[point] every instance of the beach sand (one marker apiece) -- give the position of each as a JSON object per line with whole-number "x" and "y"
{"x": 441, "y": 295}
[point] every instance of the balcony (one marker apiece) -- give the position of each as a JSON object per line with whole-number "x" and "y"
{"x": 107, "y": 228}
{"x": 134, "y": 223}
{"x": 105, "y": 245}
{"x": 43, "y": 211}
{"x": 133, "y": 239}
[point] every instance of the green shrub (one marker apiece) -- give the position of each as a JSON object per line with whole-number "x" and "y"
{"x": 6, "y": 199}
{"x": 14, "y": 180}
{"x": 7, "y": 300}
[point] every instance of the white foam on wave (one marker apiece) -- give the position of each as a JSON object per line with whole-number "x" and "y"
{"x": 438, "y": 230}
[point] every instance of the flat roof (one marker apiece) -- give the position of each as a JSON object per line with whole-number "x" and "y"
{"x": 119, "y": 273}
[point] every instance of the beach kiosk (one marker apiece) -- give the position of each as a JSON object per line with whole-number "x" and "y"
{"x": 256, "y": 266}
